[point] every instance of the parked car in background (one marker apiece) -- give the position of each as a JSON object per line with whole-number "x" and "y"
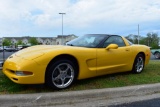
{"x": 9, "y": 49}
{"x": 156, "y": 53}
{"x": 20, "y": 47}
{"x": 1, "y": 49}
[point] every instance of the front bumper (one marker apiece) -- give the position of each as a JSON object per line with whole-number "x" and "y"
{"x": 14, "y": 64}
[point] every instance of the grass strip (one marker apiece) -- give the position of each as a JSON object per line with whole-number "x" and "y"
{"x": 151, "y": 74}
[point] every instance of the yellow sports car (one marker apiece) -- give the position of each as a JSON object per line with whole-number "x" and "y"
{"x": 88, "y": 56}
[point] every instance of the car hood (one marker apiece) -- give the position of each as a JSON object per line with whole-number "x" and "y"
{"x": 37, "y": 51}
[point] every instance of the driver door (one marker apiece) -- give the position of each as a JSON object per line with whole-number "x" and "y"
{"x": 113, "y": 60}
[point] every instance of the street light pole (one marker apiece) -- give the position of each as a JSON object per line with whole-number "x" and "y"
{"x": 62, "y": 26}
{"x": 3, "y": 49}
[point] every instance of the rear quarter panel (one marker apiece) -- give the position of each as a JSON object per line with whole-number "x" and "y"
{"x": 142, "y": 49}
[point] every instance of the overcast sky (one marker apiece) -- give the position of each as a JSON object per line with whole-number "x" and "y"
{"x": 41, "y": 18}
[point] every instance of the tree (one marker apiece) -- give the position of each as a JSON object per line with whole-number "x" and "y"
{"x": 143, "y": 40}
{"x": 133, "y": 38}
{"x": 153, "y": 40}
{"x": 19, "y": 42}
{"x": 6, "y": 42}
{"x": 33, "y": 41}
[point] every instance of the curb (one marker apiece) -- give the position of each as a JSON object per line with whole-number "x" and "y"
{"x": 58, "y": 98}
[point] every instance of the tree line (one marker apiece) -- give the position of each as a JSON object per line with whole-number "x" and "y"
{"x": 7, "y": 42}
{"x": 152, "y": 40}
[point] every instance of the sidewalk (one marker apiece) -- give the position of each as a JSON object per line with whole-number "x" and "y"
{"x": 72, "y": 98}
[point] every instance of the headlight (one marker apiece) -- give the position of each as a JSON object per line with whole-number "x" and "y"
{"x": 23, "y": 73}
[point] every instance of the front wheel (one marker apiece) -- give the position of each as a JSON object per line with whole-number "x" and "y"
{"x": 61, "y": 74}
{"x": 138, "y": 64}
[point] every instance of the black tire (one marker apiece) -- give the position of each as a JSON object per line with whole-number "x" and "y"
{"x": 138, "y": 64}
{"x": 157, "y": 55}
{"x": 61, "y": 74}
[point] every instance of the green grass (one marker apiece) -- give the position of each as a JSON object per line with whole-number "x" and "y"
{"x": 151, "y": 74}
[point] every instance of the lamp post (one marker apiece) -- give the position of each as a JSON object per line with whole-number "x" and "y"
{"x": 3, "y": 49}
{"x": 62, "y": 26}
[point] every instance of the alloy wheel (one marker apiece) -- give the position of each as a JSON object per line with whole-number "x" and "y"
{"x": 63, "y": 75}
{"x": 139, "y": 64}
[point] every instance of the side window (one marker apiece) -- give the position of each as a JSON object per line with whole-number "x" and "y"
{"x": 114, "y": 40}
{"x": 110, "y": 40}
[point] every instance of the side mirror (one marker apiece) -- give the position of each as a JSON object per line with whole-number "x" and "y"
{"x": 112, "y": 46}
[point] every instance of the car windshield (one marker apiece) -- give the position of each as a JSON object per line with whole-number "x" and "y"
{"x": 90, "y": 41}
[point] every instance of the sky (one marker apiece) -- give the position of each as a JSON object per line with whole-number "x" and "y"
{"x": 41, "y": 18}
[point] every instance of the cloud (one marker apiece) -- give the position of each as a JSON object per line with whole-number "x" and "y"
{"x": 81, "y": 15}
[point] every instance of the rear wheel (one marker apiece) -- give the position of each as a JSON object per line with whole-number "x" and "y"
{"x": 157, "y": 55}
{"x": 138, "y": 64}
{"x": 61, "y": 74}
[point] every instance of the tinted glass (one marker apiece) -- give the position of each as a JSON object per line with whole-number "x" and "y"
{"x": 90, "y": 41}
{"x": 114, "y": 40}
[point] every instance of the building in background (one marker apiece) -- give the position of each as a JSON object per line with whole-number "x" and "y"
{"x": 59, "y": 40}
{"x": 62, "y": 40}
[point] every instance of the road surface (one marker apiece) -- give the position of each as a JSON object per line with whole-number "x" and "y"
{"x": 155, "y": 102}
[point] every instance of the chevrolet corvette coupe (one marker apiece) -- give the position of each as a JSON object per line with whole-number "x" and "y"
{"x": 87, "y": 56}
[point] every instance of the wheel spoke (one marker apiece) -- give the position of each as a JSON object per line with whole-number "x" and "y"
{"x": 56, "y": 78}
{"x": 69, "y": 77}
{"x": 59, "y": 69}
{"x": 63, "y": 82}
{"x": 140, "y": 61}
{"x": 66, "y": 70}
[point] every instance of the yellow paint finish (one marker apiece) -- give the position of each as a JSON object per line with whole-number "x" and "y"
{"x": 14, "y": 64}
{"x": 114, "y": 60}
{"x": 92, "y": 61}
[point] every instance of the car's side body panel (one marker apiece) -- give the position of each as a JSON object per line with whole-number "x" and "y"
{"x": 142, "y": 49}
{"x": 114, "y": 60}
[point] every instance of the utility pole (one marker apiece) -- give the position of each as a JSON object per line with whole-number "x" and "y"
{"x": 3, "y": 49}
